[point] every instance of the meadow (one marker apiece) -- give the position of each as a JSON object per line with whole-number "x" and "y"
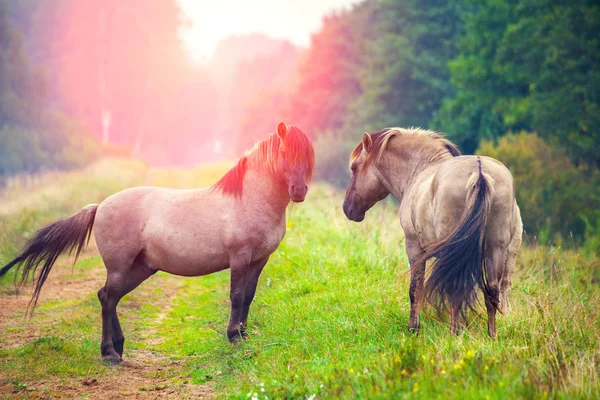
{"x": 329, "y": 319}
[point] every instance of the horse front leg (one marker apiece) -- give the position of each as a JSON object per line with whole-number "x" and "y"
{"x": 253, "y": 276}
{"x": 417, "y": 277}
{"x": 237, "y": 293}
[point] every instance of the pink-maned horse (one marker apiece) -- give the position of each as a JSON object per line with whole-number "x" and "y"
{"x": 459, "y": 210}
{"x": 237, "y": 224}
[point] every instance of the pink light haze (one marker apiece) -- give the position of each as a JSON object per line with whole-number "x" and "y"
{"x": 206, "y": 22}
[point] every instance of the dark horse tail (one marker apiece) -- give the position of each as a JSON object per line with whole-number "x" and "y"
{"x": 67, "y": 235}
{"x": 459, "y": 269}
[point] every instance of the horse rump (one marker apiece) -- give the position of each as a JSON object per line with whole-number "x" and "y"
{"x": 459, "y": 267}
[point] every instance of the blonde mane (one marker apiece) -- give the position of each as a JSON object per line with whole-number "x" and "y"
{"x": 264, "y": 156}
{"x": 382, "y": 138}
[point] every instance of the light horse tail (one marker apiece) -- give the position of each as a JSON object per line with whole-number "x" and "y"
{"x": 69, "y": 235}
{"x": 459, "y": 269}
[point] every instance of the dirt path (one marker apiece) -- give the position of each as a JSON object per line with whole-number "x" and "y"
{"x": 142, "y": 375}
{"x": 132, "y": 379}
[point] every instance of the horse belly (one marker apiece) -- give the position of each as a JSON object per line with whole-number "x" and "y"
{"x": 187, "y": 255}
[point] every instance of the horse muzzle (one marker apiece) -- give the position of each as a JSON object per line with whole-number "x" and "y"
{"x": 298, "y": 193}
{"x": 352, "y": 212}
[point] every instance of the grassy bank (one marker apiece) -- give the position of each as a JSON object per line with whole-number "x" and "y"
{"x": 330, "y": 315}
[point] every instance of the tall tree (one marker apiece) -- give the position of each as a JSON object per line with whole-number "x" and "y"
{"x": 327, "y": 79}
{"x": 258, "y": 86}
{"x": 528, "y": 65}
{"x": 406, "y": 76}
{"x": 21, "y": 85}
{"x": 120, "y": 68}
{"x": 553, "y": 51}
{"x": 26, "y": 144}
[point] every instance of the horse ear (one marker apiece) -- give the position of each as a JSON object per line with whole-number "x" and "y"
{"x": 281, "y": 130}
{"x": 367, "y": 142}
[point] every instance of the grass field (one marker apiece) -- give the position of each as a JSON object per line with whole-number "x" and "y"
{"x": 329, "y": 320}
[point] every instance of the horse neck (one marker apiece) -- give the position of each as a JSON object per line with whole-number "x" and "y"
{"x": 403, "y": 166}
{"x": 265, "y": 193}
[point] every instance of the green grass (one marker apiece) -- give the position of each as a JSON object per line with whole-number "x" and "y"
{"x": 69, "y": 355}
{"x": 330, "y": 320}
{"x": 331, "y": 313}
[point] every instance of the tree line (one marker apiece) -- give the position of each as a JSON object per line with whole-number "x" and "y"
{"x": 473, "y": 69}
{"x": 482, "y": 72}
{"x": 516, "y": 79}
{"x": 114, "y": 72}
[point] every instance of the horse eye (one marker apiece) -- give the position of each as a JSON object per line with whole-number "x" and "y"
{"x": 353, "y": 168}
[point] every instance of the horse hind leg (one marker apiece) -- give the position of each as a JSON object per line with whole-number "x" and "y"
{"x": 456, "y": 320}
{"x": 118, "y": 284}
{"x": 109, "y": 305}
{"x": 494, "y": 268}
{"x": 511, "y": 258}
{"x": 116, "y": 333}
{"x": 118, "y": 337}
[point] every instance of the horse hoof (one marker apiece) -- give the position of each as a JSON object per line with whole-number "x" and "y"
{"x": 457, "y": 331}
{"x": 236, "y": 335}
{"x": 414, "y": 327}
{"x": 111, "y": 360}
{"x": 234, "y": 338}
{"x": 413, "y": 330}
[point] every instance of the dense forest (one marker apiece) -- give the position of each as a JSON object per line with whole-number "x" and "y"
{"x": 518, "y": 80}
{"x": 515, "y": 79}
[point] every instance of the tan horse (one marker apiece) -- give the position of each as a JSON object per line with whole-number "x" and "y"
{"x": 237, "y": 223}
{"x": 460, "y": 210}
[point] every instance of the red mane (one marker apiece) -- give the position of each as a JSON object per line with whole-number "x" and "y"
{"x": 264, "y": 156}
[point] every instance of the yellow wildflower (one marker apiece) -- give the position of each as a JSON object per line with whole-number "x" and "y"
{"x": 415, "y": 387}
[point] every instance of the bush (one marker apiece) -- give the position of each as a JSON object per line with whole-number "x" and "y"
{"x": 58, "y": 143}
{"x": 22, "y": 150}
{"x": 558, "y": 199}
{"x": 78, "y": 147}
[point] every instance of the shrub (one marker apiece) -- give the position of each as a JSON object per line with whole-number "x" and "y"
{"x": 558, "y": 199}
{"x": 58, "y": 143}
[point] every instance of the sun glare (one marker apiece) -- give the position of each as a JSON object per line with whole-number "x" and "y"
{"x": 205, "y": 23}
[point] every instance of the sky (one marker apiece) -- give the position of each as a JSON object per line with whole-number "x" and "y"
{"x": 213, "y": 20}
